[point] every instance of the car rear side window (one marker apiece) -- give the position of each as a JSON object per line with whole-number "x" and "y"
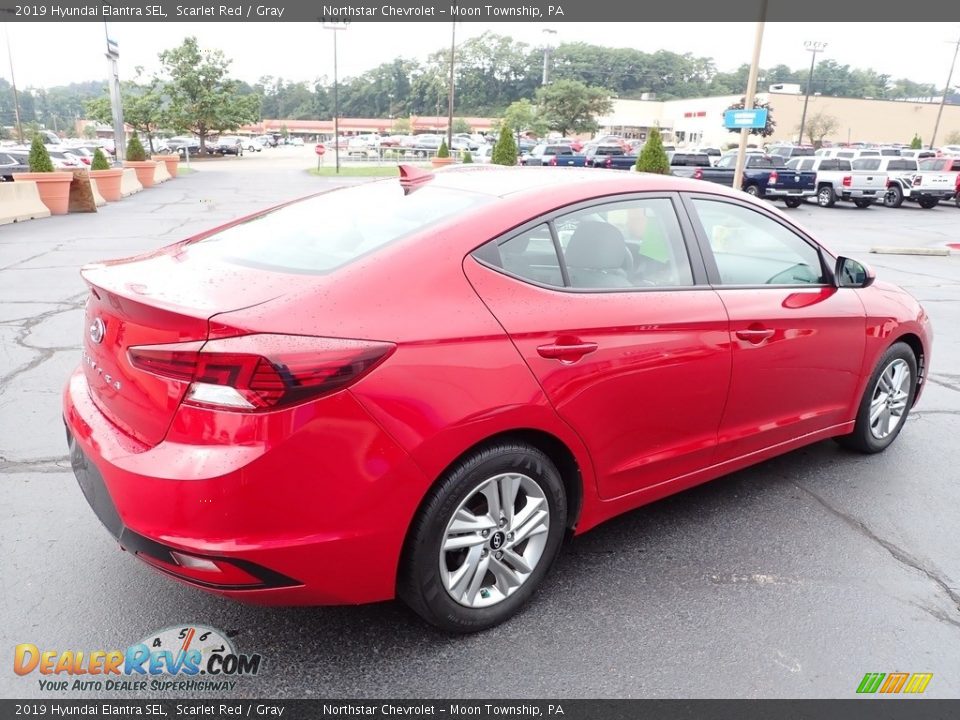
{"x": 753, "y": 249}
{"x": 323, "y": 233}
{"x": 866, "y": 164}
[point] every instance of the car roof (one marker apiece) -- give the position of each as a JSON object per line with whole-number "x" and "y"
{"x": 500, "y": 181}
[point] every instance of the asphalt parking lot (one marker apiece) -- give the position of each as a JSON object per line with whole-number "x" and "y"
{"x": 790, "y": 579}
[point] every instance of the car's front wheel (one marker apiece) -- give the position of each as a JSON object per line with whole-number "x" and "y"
{"x": 886, "y": 402}
{"x": 927, "y": 203}
{"x": 893, "y": 197}
{"x": 484, "y": 538}
{"x": 826, "y": 197}
{"x": 792, "y": 202}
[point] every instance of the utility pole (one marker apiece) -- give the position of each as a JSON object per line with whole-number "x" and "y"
{"x": 814, "y": 47}
{"x": 943, "y": 100}
{"x": 751, "y": 93}
{"x": 453, "y": 48}
{"x": 13, "y": 83}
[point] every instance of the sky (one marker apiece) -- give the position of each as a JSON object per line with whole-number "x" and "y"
{"x": 304, "y": 51}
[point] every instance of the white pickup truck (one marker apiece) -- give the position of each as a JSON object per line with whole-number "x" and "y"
{"x": 937, "y": 180}
{"x": 899, "y": 173}
{"x": 837, "y": 180}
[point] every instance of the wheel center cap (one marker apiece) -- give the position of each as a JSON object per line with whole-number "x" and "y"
{"x": 497, "y": 540}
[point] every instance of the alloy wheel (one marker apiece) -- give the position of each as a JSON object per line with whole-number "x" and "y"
{"x": 494, "y": 540}
{"x": 888, "y": 405}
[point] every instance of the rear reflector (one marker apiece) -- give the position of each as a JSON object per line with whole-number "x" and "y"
{"x": 261, "y": 372}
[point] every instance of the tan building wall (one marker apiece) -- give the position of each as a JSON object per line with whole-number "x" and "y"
{"x": 700, "y": 120}
{"x": 882, "y": 121}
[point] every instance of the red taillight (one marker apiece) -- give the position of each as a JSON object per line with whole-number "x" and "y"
{"x": 552, "y": 161}
{"x": 773, "y": 177}
{"x": 608, "y": 162}
{"x": 261, "y": 372}
{"x": 847, "y": 180}
{"x": 917, "y": 180}
{"x": 698, "y": 174}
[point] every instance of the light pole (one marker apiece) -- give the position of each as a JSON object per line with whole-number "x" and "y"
{"x": 116, "y": 103}
{"x": 13, "y": 83}
{"x": 943, "y": 100}
{"x": 813, "y": 47}
{"x": 549, "y": 40}
{"x": 335, "y": 27}
{"x": 453, "y": 48}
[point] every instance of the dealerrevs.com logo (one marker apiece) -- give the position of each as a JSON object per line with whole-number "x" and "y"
{"x": 180, "y": 658}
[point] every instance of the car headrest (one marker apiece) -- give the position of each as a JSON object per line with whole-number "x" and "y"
{"x": 597, "y": 246}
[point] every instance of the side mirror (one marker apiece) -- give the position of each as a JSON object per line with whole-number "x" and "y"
{"x": 852, "y": 273}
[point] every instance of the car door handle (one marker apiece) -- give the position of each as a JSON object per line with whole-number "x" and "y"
{"x": 754, "y": 336}
{"x": 567, "y": 352}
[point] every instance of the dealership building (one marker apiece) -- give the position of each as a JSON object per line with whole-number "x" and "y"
{"x": 699, "y": 121}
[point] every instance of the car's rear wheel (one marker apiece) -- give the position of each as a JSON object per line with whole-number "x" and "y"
{"x": 893, "y": 197}
{"x": 792, "y": 202}
{"x": 826, "y": 197}
{"x": 886, "y": 401}
{"x": 927, "y": 203}
{"x": 753, "y": 189}
{"x": 484, "y": 538}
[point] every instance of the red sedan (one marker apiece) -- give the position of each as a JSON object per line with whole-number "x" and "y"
{"x": 416, "y": 387}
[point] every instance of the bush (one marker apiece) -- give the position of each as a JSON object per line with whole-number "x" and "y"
{"x": 653, "y": 158}
{"x": 39, "y": 160}
{"x": 135, "y": 151}
{"x": 444, "y": 151}
{"x": 505, "y": 151}
{"x": 99, "y": 161}
{"x": 916, "y": 143}
{"x": 467, "y": 157}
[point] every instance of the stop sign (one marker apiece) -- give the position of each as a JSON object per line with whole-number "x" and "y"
{"x": 320, "y": 149}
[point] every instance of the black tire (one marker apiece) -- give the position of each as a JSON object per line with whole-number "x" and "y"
{"x": 956, "y": 200}
{"x": 862, "y": 438}
{"x": 419, "y": 583}
{"x": 927, "y": 203}
{"x": 826, "y": 197}
{"x": 862, "y": 203}
{"x": 754, "y": 190}
{"x": 893, "y": 197}
{"x": 791, "y": 202}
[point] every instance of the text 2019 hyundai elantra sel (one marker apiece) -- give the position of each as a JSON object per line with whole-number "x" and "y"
{"x": 415, "y": 387}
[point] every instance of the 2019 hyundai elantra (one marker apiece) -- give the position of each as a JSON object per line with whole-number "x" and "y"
{"x": 416, "y": 387}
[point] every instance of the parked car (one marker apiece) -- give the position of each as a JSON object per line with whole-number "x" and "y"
{"x": 183, "y": 145}
{"x": 542, "y": 153}
{"x": 597, "y": 351}
{"x": 764, "y": 176}
{"x": 936, "y": 180}
{"x": 10, "y": 165}
{"x": 267, "y": 140}
{"x": 424, "y": 145}
{"x": 295, "y": 141}
{"x": 837, "y": 179}
{"x": 596, "y": 155}
{"x": 252, "y": 144}
{"x": 788, "y": 152}
{"x": 228, "y": 145}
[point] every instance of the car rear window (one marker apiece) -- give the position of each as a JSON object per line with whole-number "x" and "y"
{"x": 326, "y": 232}
{"x": 866, "y": 164}
{"x": 902, "y": 164}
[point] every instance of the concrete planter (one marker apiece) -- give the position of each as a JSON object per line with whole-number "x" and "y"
{"x": 108, "y": 183}
{"x": 171, "y": 161}
{"x": 144, "y": 170}
{"x": 53, "y": 187}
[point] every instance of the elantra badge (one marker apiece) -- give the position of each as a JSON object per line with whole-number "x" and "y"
{"x": 97, "y": 331}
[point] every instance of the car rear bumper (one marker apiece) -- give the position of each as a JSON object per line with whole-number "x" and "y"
{"x": 873, "y": 194}
{"x": 784, "y": 192}
{"x": 917, "y": 194}
{"x": 316, "y": 522}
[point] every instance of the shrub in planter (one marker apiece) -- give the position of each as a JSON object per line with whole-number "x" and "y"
{"x": 505, "y": 151}
{"x": 107, "y": 178}
{"x": 53, "y": 187}
{"x": 137, "y": 159}
{"x": 653, "y": 158}
{"x": 467, "y": 158}
{"x": 443, "y": 155}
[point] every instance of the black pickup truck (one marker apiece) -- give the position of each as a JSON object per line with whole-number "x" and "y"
{"x": 681, "y": 164}
{"x": 764, "y": 176}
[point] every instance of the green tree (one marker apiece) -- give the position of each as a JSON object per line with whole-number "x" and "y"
{"x": 467, "y": 158}
{"x": 202, "y": 98}
{"x": 522, "y": 116}
{"x": 819, "y": 125}
{"x": 144, "y": 107}
{"x": 771, "y": 125}
{"x": 505, "y": 151}
{"x": 916, "y": 143}
{"x": 99, "y": 161}
{"x": 39, "y": 159}
{"x": 135, "y": 151}
{"x": 90, "y": 132}
{"x": 461, "y": 126}
{"x": 443, "y": 151}
{"x": 284, "y": 131}
{"x": 570, "y": 105}
{"x": 402, "y": 126}
{"x": 653, "y": 158}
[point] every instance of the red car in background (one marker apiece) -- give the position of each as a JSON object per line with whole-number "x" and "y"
{"x": 422, "y": 400}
